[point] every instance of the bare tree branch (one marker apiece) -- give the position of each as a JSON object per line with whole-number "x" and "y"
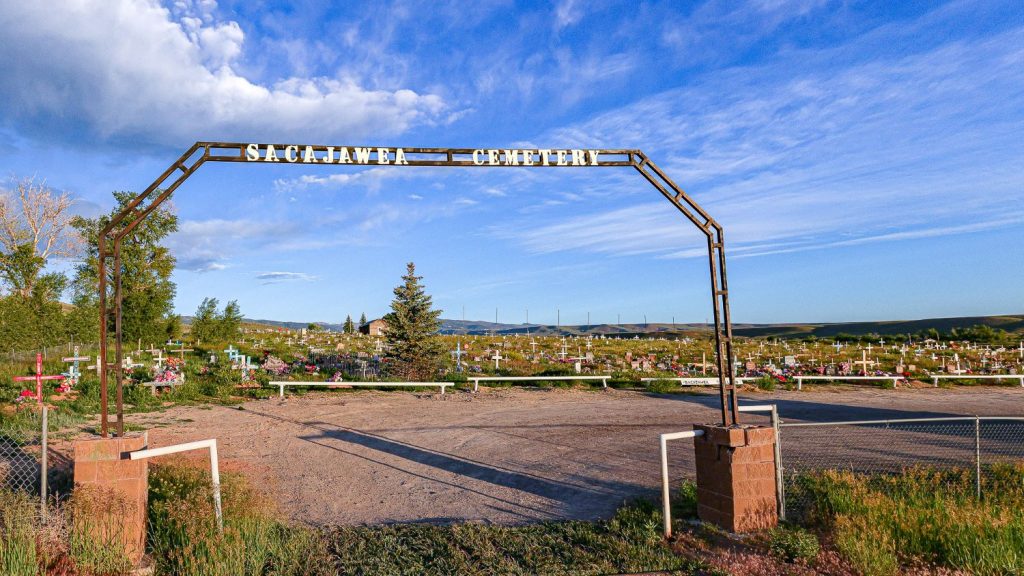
{"x": 33, "y": 214}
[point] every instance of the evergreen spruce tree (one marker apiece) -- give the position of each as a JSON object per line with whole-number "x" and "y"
{"x": 349, "y": 327}
{"x": 362, "y": 319}
{"x": 411, "y": 326}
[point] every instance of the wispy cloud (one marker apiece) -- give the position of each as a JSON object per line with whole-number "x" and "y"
{"x": 905, "y": 147}
{"x": 207, "y": 245}
{"x": 278, "y": 277}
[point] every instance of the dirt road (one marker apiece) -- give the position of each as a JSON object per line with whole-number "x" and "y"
{"x": 504, "y": 455}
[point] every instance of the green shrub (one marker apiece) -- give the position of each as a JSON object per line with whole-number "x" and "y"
{"x": 663, "y": 386}
{"x": 684, "y": 505}
{"x": 184, "y": 538}
{"x": 767, "y": 383}
{"x": 792, "y": 543}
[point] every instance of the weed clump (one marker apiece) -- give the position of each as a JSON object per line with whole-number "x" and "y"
{"x": 793, "y": 543}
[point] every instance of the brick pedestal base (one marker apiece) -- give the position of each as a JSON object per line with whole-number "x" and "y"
{"x": 736, "y": 477}
{"x": 121, "y": 487}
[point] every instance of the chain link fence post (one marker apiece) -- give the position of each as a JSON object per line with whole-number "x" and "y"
{"x": 43, "y": 468}
{"x": 780, "y": 489}
{"x": 977, "y": 457}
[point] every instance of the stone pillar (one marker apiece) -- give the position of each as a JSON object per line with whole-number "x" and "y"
{"x": 103, "y": 465}
{"x": 736, "y": 477}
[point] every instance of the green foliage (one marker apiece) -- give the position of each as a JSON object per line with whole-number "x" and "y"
{"x": 211, "y": 325}
{"x": 349, "y": 327}
{"x": 766, "y": 383}
{"x": 793, "y": 543}
{"x": 684, "y": 505}
{"x": 630, "y": 542}
{"x": 411, "y": 325}
{"x": 204, "y": 323}
{"x": 924, "y": 515}
{"x": 17, "y": 534}
{"x": 20, "y": 267}
{"x": 148, "y": 292}
{"x": 30, "y": 323}
{"x": 664, "y": 386}
{"x": 96, "y": 530}
{"x": 184, "y": 539}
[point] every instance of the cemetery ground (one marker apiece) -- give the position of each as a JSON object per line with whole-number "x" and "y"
{"x": 524, "y": 481}
{"x": 550, "y": 478}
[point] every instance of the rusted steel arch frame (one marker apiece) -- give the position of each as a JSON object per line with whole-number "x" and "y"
{"x": 125, "y": 221}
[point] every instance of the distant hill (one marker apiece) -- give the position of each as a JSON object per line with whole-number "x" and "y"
{"x": 1012, "y": 323}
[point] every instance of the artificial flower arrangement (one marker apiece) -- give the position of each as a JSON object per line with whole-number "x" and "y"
{"x": 172, "y": 372}
{"x": 275, "y": 365}
{"x": 25, "y": 396}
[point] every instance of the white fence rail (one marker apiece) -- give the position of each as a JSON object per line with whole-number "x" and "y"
{"x": 442, "y": 385}
{"x": 477, "y": 380}
{"x": 936, "y": 377}
{"x": 800, "y": 379}
{"x": 697, "y": 381}
{"x": 186, "y": 447}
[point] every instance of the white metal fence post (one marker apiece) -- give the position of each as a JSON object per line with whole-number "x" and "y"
{"x": 215, "y": 476}
{"x": 666, "y": 491}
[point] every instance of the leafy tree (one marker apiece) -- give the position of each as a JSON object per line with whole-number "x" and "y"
{"x": 230, "y": 321}
{"x": 147, "y": 289}
{"x": 312, "y": 327}
{"x": 412, "y": 324}
{"x": 349, "y": 326}
{"x": 33, "y": 321}
{"x": 205, "y": 322}
{"x": 35, "y": 224}
{"x": 209, "y": 324}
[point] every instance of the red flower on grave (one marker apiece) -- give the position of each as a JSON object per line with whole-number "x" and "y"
{"x": 27, "y": 394}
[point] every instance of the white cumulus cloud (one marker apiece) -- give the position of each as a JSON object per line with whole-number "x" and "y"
{"x": 132, "y": 71}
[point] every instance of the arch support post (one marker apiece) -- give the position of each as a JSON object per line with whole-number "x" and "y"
{"x": 133, "y": 213}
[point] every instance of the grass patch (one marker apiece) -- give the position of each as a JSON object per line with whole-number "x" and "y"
{"x": 880, "y": 523}
{"x": 18, "y": 527}
{"x": 793, "y": 543}
{"x": 629, "y": 542}
{"x": 184, "y": 539}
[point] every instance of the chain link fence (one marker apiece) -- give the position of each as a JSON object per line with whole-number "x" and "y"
{"x": 23, "y": 454}
{"x": 50, "y": 352}
{"x": 968, "y": 451}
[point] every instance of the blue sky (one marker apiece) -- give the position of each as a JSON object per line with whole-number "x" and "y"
{"x": 865, "y": 158}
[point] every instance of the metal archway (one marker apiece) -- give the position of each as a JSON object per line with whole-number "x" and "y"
{"x": 124, "y": 222}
